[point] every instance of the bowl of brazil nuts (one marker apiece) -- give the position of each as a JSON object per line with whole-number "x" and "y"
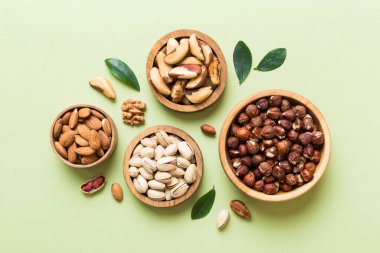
{"x": 186, "y": 70}
{"x": 83, "y": 136}
{"x": 163, "y": 166}
{"x": 275, "y": 145}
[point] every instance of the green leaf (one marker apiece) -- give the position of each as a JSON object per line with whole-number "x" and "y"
{"x": 272, "y": 60}
{"x": 122, "y": 72}
{"x": 203, "y": 205}
{"x": 242, "y": 61}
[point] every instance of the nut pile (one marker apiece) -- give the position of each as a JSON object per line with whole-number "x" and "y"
{"x": 133, "y": 112}
{"x": 274, "y": 145}
{"x": 186, "y": 71}
{"x": 163, "y": 166}
{"x": 82, "y": 136}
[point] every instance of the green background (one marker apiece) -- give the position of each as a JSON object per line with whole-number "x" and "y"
{"x": 50, "y": 49}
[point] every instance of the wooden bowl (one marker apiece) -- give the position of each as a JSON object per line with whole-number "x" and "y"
{"x": 217, "y": 51}
{"x": 198, "y": 157}
{"x": 106, "y": 155}
{"x": 280, "y": 196}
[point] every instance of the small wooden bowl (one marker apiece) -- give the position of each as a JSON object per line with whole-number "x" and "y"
{"x": 106, "y": 155}
{"x": 198, "y": 157}
{"x": 217, "y": 51}
{"x": 280, "y": 196}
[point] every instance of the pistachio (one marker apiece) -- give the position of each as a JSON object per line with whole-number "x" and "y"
{"x": 133, "y": 171}
{"x": 180, "y": 189}
{"x": 148, "y": 164}
{"x": 155, "y": 185}
{"x": 147, "y": 152}
{"x": 222, "y": 218}
{"x": 163, "y": 138}
{"x": 140, "y": 184}
{"x": 145, "y": 174}
{"x": 174, "y": 181}
{"x": 149, "y": 142}
{"x": 174, "y": 139}
{"x": 167, "y": 163}
{"x": 177, "y": 172}
{"x": 163, "y": 177}
{"x": 185, "y": 150}
{"x": 135, "y": 161}
{"x": 156, "y": 195}
{"x": 171, "y": 150}
{"x": 191, "y": 174}
{"x": 182, "y": 163}
{"x": 168, "y": 196}
{"x": 137, "y": 150}
{"x": 159, "y": 152}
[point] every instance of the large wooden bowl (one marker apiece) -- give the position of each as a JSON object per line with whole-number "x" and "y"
{"x": 106, "y": 155}
{"x": 198, "y": 157}
{"x": 280, "y": 196}
{"x": 217, "y": 51}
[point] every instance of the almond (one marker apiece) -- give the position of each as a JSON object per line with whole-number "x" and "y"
{"x": 84, "y": 131}
{"x": 73, "y": 122}
{"x": 240, "y": 209}
{"x": 85, "y": 151}
{"x": 106, "y": 126}
{"x": 97, "y": 114}
{"x": 60, "y": 149}
{"x": 94, "y": 140}
{"x": 66, "y": 118}
{"x": 57, "y": 128}
{"x": 117, "y": 192}
{"x": 84, "y": 112}
{"x": 100, "y": 152}
{"x": 65, "y": 128}
{"x": 105, "y": 140}
{"x": 93, "y": 123}
{"x": 81, "y": 141}
{"x": 71, "y": 155}
{"x": 89, "y": 159}
{"x": 67, "y": 138}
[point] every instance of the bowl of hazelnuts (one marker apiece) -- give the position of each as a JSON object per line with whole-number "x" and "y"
{"x": 275, "y": 145}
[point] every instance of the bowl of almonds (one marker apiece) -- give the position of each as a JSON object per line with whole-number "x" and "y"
{"x": 163, "y": 166}
{"x": 275, "y": 145}
{"x": 83, "y": 136}
{"x": 186, "y": 70}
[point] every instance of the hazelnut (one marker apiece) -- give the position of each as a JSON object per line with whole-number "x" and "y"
{"x": 232, "y": 153}
{"x": 308, "y": 151}
{"x": 306, "y": 175}
{"x": 265, "y": 168}
{"x": 298, "y": 167}
{"x": 283, "y": 148}
{"x": 297, "y": 124}
{"x": 249, "y": 126}
{"x": 270, "y": 188}
{"x": 310, "y": 166}
{"x": 252, "y": 147}
{"x": 293, "y": 158}
{"x": 242, "y": 118}
{"x": 290, "y": 179}
{"x": 256, "y": 132}
{"x": 252, "y": 110}
{"x": 317, "y": 137}
{"x": 299, "y": 179}
{"x": 271, "y": 161}
{"x": 285, "y": 187}
{"x": 285, "y": 105}
{"x": 286, "y": 124}
{"x": 289, "y": 114}
{"x": 261, "y": 147}
{"x": 278, "y": 172}
{"x": 236, "y": 162}
{"x": 303, "y": 160}
{"x": 247, "y": 161}
{"x": 243, "y": 133}
{"x": 293, "y": 135}
{"x": 268, "y": 143}
{"x": 308, "y": 123}
{"x": 257, "y": 121}
{"x": 269, "y": 179}
{"x": 316, "y": 157}
{"x": 262, "y": 104}
{"x": 286, "y": 166}
{"x": 232, "y": 142}
{"x": 241, "y": 171}
{"x": 264, "y": 115}
{"x": 267, "y": 132}
{"x": 257, "y": 159}
{"x": 259, "y": 185}
{"x": 300, "y": 111}
{"x": 275, "y": 141}
{"x": 257, "y": 173}
{"x": 296, "y": 148}
{"x": 305, "y": 138}
{"x": 269, "y": 122}
{"x": 275, "y": 100}
{"x": 249, "y": 179}
{"x": 242, "y": 149}
{"x": 280, "y": 132}
{"x": 271, "y": 152}
{"x": 274, "y": 113}
{"x": 234, "y": 129}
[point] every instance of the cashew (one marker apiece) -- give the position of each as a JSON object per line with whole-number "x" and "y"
{"x": 171, "y": 45}
{"x": 103, "y": 85}
{"x": 190, "y": 60}
{"x": 207, "y": 52}
{"x": 163, "y": 67}
{"x": 198, "y": 81}
{"x": 178, "y": 91}
{"x": 195, "y": 49}
{"x": 214, "y": 71}
{"x": 185, "y": 71}
{"x": 158, "y": 82}
{"x": 198, "y": 96}
{"x": 179, "y": 53}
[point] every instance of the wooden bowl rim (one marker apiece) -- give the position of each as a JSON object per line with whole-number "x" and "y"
{"x": 281, "y": 196}
{"x": 183, "y": 135}
{"x": 106, "y": 155}
{"x": 223, "y": 76}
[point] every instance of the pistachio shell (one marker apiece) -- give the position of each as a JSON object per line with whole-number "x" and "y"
{"x": 135, "y": 161}
{"x": 145, "y": 174}
{"x": 163, "y": 177}
{"x": 156, "y": 195}
{"x": 140, "y": 184}
{"x": 171, "y": 150}
{"x": 191, "y": 174}
{"x": 185, "y": 150}
{"x": 182, "y": 163}
{"x": 155, "y": 185}
{"x": 180, "y": 189}
{"x": 159, "y": 152}
{"x": 163, "y": 138}
{"x": 168, "y": 196}
{"x": 148, "y": 164}
{"x": 133, "y": 171}
{"x": 174, "y": 181}
{"x": 178, "y": 172}
{"x": 175, "y": 139}
{"x": 167, "y": 163}
{"x": 148, "y": 142}
{"x": 147, "y": 152}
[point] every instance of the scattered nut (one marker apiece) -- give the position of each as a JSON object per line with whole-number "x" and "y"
{"x": 93, "y": 185}
{"x": 117, "y": 192}
{"x": 222, "y": 219}
{"x": 133, "y": 112}
{"x": 240, "y": 209}
{"x": 104, "y": 86}
{"x": 207, "y": 129}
